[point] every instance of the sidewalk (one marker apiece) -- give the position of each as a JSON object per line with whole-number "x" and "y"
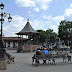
{"x": 23, "y": 63}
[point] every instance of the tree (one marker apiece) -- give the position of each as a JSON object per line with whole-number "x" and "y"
{"x": 47, "y": 36}
{"x": 51, "y": 36}
{"x": 64, "y": 30}
{"x": 42, "y": 36}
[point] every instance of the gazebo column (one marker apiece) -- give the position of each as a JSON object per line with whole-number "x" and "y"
{"x": 26, "y": 36}
{"x": 22, "y": 40}
{"x": 33, "y": 40}
{"x": 36, "y": 38}
{"x": 22, "y": 36}
{"x": 18, "y": 37}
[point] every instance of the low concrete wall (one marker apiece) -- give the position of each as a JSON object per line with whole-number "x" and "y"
{"x": 11, "y": 48}
{"x": 29, "y": 48}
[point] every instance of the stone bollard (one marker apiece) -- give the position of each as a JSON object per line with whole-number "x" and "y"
{"x": 3, "y": 65}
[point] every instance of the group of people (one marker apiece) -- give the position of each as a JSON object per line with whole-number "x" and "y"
{"x": 40, "y": 51}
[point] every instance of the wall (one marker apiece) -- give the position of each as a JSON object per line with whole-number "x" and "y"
{"x": 29, "y": 48}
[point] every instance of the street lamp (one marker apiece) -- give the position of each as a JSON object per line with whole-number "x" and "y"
{"x": 2, "y": 16}
{"x": 1, "y": 5}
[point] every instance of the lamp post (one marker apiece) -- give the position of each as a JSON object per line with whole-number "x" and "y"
{"x": 2, "y": 16}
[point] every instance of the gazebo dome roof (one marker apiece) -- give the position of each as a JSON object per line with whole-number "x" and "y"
{"x": 27, "y": 29}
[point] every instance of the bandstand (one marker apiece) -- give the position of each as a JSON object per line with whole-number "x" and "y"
{"x": 30, "y": 34}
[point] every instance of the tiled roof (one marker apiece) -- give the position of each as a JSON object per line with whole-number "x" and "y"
{"x": 27, "y": 30}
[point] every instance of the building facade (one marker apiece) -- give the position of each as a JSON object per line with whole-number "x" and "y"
{"x": 11, "y": 42}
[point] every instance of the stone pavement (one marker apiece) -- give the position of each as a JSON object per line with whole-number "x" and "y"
{"x": 23, "y": 64}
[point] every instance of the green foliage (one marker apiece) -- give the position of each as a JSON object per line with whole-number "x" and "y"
{"x": 43, "y": 36}
{"x": 47, "y": 36}
{"x": 64, "y": 29}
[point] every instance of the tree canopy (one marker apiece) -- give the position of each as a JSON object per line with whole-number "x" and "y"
{"x": 47, "y": 36}
{"x": 64, "y": 30}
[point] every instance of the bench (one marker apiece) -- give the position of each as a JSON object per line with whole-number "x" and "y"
{"x": 51, "y": 57}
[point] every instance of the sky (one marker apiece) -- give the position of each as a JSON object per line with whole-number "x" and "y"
{"x": 42, "y": 14}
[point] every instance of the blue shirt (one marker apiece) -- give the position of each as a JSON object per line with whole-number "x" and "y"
{"x": 46, "y": 52}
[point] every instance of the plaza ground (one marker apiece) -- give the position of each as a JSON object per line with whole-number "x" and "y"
{"x": 23, "y": 63}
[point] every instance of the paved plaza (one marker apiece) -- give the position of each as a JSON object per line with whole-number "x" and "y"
{"x": 23, "y": 64}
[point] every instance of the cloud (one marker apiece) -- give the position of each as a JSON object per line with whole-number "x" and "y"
{"x": 55, "y": 28}
{"x": 53, "y": 21}
{"x": 68, "y": 13}
{"x": 47, "y": 17}
{"x": 44, "y": 25}
{"x": 68, "y": 18}
{"x": 15, "y": 26}
{"x": 56, "y": 19}
{"x": 25, "y": 3}
{"x": 71, "y": 5}
{"x": 37, "y": 24}
{"x": 19, "y": 22}
{"x": 36, "y": 4}
{"x": 30, "y": 14}
{"x": 44, "y": 4}
{"x": 36, "y": 9}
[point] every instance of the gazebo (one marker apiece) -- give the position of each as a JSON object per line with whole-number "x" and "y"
{"x": 28, "y": 31}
